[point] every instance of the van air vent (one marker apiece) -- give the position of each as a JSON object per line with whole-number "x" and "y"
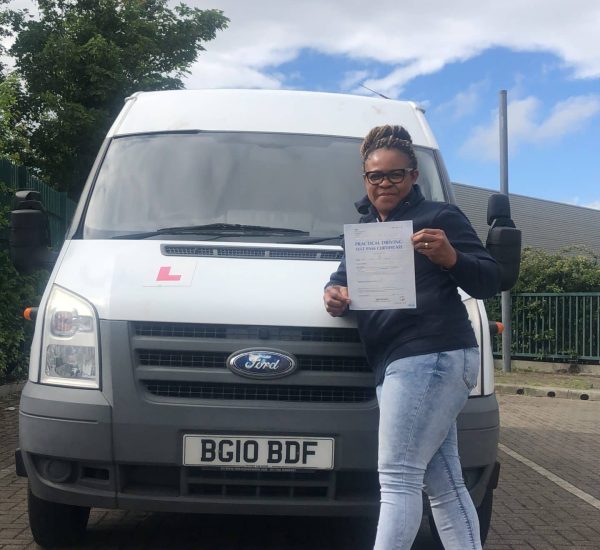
{"x": 250, "y": 252}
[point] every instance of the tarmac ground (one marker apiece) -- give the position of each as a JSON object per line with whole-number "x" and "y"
{"x": 548, "y": 496}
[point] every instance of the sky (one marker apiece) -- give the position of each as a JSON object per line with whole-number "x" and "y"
{"x": 452, "y": 58}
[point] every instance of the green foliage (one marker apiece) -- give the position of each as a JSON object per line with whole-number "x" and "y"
{"x": 550, "y": 327}
{"x": 81, "y": 58}
{"x": 14, "y": 140}
{"x": 4, "y": 29}
{"x": 16, "y": 293}
{"x": 574, "y": 269}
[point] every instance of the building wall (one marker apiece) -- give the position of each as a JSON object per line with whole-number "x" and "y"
{"x": 544, "y": 224}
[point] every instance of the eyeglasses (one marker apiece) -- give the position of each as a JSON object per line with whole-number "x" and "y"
{"x": 394, "y": 176}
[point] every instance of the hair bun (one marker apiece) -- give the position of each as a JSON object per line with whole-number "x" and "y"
{"x": 388, "y": 137}
{"x": 401, "y": 133}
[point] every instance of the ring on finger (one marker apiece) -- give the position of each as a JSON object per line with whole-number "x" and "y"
{"x": 426, "y": 245}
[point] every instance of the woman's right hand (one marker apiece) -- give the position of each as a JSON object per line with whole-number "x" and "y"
{"x": 336, "y": 300}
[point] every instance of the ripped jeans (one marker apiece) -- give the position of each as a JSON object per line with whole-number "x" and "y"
{"x": 419, "y": 401}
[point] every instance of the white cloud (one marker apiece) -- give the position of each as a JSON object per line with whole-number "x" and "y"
{"x": 353, "y": 78}
{"x": 526, "y": 127}
{"x": 578, "y": 202}
{"x": 569, "y": 115}
{"x": 230, "y": 74}
{"x": 412, "y": 38}
{"x": 465, "y": 102}
{"x": 392, "y": 84}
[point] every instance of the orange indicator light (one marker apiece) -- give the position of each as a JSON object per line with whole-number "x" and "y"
{"x": 30, "y": 313}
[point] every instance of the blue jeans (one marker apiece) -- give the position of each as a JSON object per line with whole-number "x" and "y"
{"x": 419, "y": 400}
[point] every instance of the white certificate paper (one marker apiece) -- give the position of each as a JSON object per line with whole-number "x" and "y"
{"x": 380, "y": 265}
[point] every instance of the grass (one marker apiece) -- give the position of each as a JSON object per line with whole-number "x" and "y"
{"x": 540, "y": 379}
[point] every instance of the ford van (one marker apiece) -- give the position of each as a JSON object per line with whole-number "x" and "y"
{"x": 182, "y": 359}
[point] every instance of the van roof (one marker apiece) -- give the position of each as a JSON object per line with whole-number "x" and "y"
{"x": 280, "y": 111}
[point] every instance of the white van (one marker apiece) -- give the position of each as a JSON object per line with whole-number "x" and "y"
{"x": 182, "y": 359}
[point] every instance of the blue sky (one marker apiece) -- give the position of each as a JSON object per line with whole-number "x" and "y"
{"x": 461, "y": 102}
{"x": 451, "y": 57}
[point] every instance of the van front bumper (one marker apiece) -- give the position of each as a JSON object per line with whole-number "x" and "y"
{"x": 75, "y": 452}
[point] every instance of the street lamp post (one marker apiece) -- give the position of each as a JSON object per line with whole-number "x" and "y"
{"x": 506, "y": 300}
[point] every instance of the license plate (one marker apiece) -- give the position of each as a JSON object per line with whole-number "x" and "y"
{"x": 231, "y": 451}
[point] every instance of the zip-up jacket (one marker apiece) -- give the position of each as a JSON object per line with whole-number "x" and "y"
{"x": 440, "y": 321}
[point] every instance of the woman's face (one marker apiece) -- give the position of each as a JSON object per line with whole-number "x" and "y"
{"x": 386, "y": 196}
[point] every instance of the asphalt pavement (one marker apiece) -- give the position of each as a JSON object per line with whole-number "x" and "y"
{"x": 548, "y": 496}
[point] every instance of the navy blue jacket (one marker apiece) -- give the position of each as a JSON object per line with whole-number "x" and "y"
{"x": 440, "y": 321}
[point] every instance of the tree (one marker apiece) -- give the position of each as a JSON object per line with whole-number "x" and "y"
{"x": 574, "y": 269}
{"x": 13, "y": 136}
{"x": 14, "y": 139}
{"x": 5, "y": 30}
{"x": 82, "y": 58}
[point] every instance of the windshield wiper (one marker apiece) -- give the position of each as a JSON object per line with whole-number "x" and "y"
{"x": 315, "y": 240}
{"x": 215, "y": 228}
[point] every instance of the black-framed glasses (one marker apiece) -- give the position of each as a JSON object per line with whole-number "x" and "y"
{"x": 376, "y": 177}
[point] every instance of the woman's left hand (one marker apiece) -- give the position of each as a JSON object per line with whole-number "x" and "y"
{"x": 434, "y": 244}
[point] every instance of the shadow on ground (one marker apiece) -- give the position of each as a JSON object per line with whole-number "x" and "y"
{"x": 137, "y": 531}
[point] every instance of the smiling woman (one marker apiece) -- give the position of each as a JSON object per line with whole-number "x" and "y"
{"x": 425, "y": 355}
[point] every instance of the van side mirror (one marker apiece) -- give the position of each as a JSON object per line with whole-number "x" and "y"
{"x": 503, "y": 240}
{"x": 29, "y": 239}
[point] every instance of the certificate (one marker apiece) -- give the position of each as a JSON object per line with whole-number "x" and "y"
{"x": 380, "y": 265}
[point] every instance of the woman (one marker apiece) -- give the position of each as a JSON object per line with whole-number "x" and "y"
{"x": 425, "y": 360}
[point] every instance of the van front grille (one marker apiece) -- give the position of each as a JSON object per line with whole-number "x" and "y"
{"x": 175, "y": 481}
{"x": 182, "y": 359}
{"x": 251, "y": 332}
{"x": 211, "y": 360}
{"x": 256, "y": 392}
{"x": 189, "y": 361}
{"x": 227, "y": 483}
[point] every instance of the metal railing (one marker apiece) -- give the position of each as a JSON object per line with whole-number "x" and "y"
{"x": 59, "y": 207}
{"x": 552, "y": 326}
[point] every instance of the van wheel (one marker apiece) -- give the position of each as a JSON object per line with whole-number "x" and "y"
{"x": 54, "y": 525}
{"x": 484, "y": 513}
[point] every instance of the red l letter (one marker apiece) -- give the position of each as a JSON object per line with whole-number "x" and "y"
{"x": 164, "y": 274}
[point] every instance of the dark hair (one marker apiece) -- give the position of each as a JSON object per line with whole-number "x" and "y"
{"x": 388, "y": 137}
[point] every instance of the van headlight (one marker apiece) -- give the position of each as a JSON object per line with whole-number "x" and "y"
{"x": 70, "y": 341}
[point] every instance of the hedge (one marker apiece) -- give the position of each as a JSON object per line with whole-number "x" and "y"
{"x": 16, "y": 293}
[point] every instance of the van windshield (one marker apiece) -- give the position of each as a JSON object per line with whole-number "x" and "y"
{"x": 230, "y": 181}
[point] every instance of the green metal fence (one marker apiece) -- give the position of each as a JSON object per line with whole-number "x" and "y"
{"x": 59, "y": 207}
{"x": 553, "y": 326}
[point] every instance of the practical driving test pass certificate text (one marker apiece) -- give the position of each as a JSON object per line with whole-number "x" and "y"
{"x": 380, "y": 265}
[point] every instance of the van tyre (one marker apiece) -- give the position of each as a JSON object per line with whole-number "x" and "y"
{"x": 484, "y": 513}
{"x": 54, "y": 525}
